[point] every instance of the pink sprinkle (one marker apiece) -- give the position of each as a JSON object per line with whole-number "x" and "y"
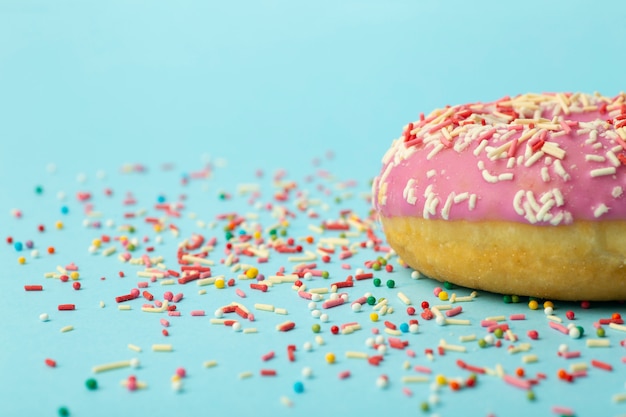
{"x": 569, "y": 355}
{"x": 346, "y": 266}
{"x": 559, "y": 327}
{"x": 333, "y": 303}
{"x": 142, "y": 284}
{"x": 177, "y": 297}
{"x": 517, "y": 317}
{"x": 173, "y": 313}
{"x": 165, "y": 323}
{"x": 410, "y": 353}
{"x": 344, "y": 375}
{"x": 488, "y": 323}
{"x": 516, "y": 382}
{"x": 422, "y": 369}
{"x": 454, "y": 311}
{"x": 564, "y": 411}
{"x": 601, "y": 365}
{"x": 240, "y": 293}
{"x": 268, "y": 356}
{"x": 407, "y": 392}
{"x": 197, "y": 312}
{"x": 375, "y": 331}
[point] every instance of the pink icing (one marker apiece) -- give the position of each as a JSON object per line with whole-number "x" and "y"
{"x": 528, "y": 182}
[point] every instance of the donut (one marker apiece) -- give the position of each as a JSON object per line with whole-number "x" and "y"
{"x": 521, "y": 196}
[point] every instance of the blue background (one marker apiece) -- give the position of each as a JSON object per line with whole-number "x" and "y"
{"x": 90, "y": 86}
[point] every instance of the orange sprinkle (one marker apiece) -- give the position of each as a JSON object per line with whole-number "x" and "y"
{"x": 50, "y": 250}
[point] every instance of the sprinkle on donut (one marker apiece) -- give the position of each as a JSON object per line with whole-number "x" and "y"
{"x": 545, "y": 159}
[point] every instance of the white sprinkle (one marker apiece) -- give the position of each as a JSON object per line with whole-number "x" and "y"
{"x": 530, "y": 215}
{"x": 534, "y": 158}
{"x": 435, "y": 151}
{"x": 595, "y": 158}
{"x": 517, "y": 202}
{"x": 472, "y": 202}
{"x": 445, "y": 211}
{"x": 613, "y": 158}
{"x": 545, "y": 209}
{"x": 488, "y": 177}
{"x": 600, "y": 210}
{"x": 510, "y": 163}
{"x": 507, "y": 176}
{"x": 481, "y": 146}
{"x": 431, "y": 173}
{"x": 545, "y": 175}
{"x": 617, "y": 191}
{"x": 461, "y": 197}
{"x": 558, "y": 168}
{"x": 602, "y": 171}
{"x": 530, "y": 196}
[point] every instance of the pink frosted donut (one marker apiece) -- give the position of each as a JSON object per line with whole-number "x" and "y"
{"x": 523, "y": 196}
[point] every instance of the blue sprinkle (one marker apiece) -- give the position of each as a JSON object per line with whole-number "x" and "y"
{"x": 404, "y": 327}
{"x": 65, "y": 210}
{"x": 298, "y": 387}
{"x": 161, "y": 199}
{"x": 18, "y": 246}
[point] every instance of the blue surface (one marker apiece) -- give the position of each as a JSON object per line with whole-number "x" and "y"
{"x": 91, "y": 87}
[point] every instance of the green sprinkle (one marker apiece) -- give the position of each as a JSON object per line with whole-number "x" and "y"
{"x": 228, "y": 235}
{"x": 515, "y": 299}
{"x": 507, "y": 299}
{"x": 382, "y": 261}
{"x": 482, "y": 343}
{"x": 91, "y": 384}
{"x": 325, "y": 274}
{"x": 64, "y": 412}
{"x": 283, "y": 232}
{"x": 498, "y": 333}
{"x": 391, "y": 283}
{"x": 448, "y": 285}
{"x": 39, "y": 189}
{"x": 424, "y": 407}
{"x": 581, "y": 330}
{"x": 316, "y": 328}
{"x": 377, "y": 282}
{"x": 371, "y": 300}
{"x": 376, "y": 266}
{"x": 600, "y": 332}
{"x": 530, "y": 395}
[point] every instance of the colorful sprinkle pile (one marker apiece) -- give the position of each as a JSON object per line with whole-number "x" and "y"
{"x": 244, "y": 290}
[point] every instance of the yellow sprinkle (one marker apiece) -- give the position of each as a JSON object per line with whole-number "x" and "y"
{"x": 413, "y": 379}
{"x": 282, "y": 311}
{"x": 318, "y": 290}
{"x": 67, "y": 329}
{"x": 319, "y": 340}
{"x": 208, "y": 281}
{"x": 598, "y": 343}
{"x": 554, "y": 318}
{"x": 209, "y": 364}
{"x": 250, "y": 330}
{"x": 496, "y": 318}
{"x": 123, "y": 307}
{"x": 440, "y": 380}
{"x": 245, "y": 375}
{"x": 110, "y": 366}
{"x": 393, "y": 332}
{"x": 374, "y": 317}
{"x": 168, "y": 282}
{"x": 404, "y": 298}
{"x": 533, "y": 305}
{"x": 356, "y": 355}
{"x": 616, "y": 326}
{"x": 467, "y": 338}
{"x": 264, "y": 307}
{"x": 462, "y": 322}
{"x": 201, "y": 292}
{"x": 578, "y": 366}
{"x": 162, "y": 348}
{"x": 529, "y": 358}
{"x": 21, "y": 260}
{"x": 618, "y": 398}
{"x": 101, "y": 304}
{"x": 134, "y": 347}
{"x": 330, "y": 357}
